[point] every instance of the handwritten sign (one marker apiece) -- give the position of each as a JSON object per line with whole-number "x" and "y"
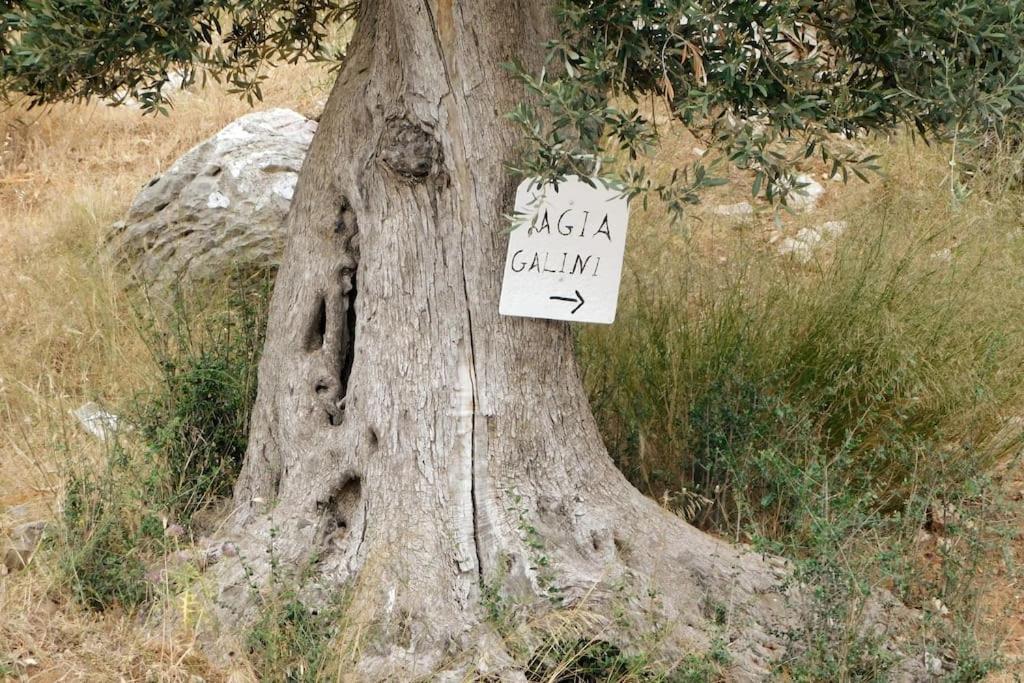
{"x": 565, "y": 252}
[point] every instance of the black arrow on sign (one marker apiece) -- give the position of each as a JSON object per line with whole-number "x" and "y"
{"x": 579, "y": 297}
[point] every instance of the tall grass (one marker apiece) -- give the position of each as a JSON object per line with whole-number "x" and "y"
{"x": 886, "y": 359}
{"x": 848, "y": 413}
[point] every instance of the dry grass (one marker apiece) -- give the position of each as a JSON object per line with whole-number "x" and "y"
{"x": 65, "y": 175}
{"x": 68, "y": 336}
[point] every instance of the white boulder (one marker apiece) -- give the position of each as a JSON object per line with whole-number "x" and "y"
{"x": 221, "y": 205}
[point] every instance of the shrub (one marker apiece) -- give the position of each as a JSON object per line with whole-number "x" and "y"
{"x": 195, "y": 424}
{"x": 181, "y": 449}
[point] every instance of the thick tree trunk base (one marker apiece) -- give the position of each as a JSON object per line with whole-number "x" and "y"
{"x": 414, "y": 447}
{"x": 616, "y": 569}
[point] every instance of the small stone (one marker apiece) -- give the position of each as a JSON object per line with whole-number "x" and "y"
{"x": 943, "y": 255}
{"x": 96, "y": 421}
{"x": 933, "y": 664}
{"x": 229, "y": 549}
{"x": 798, "y": 249}
{"x": 809, "y": 236}
{"x": 16, "y": 559}
{"x": 833, "y": 229}
{"x": 699, "y": 151}
{"x": 805, "y": 195}
{"x": 734, "y": 210}
{"x": 939, "y": 607}
{"x": 22, "y": 545}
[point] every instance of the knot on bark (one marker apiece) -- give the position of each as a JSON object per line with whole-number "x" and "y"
{"x": 347, "y": 225}
{"x": 410, "y": 149}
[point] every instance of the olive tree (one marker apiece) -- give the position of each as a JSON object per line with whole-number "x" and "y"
{"x": 409, "y": 441}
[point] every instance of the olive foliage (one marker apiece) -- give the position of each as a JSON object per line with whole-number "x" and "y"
{"x": 767, "y": 83}
{"x": 53, "y": 50}
{"x": 763, "y": 83}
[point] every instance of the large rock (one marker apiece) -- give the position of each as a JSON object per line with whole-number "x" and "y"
{"x": 220, "y": 206}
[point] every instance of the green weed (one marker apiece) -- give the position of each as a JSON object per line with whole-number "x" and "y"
{"x": 195, "y": 424}
{"x": 291, "y": 641}
{"x": 179, "y": 451}
{"x": 106, "y": 536}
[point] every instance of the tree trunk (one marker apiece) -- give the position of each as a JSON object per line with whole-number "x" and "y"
{"x": 411, "y": 442}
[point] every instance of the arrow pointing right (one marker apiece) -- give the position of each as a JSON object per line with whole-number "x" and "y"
{"x": 579, "y": 298}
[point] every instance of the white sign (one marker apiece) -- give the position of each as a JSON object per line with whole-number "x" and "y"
{"x": 565, "y": 252}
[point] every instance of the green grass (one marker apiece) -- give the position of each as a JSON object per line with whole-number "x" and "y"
{"x": 290, "y": 641}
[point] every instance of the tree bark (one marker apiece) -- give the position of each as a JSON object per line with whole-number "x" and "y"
{"x": 411, "y": 442}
